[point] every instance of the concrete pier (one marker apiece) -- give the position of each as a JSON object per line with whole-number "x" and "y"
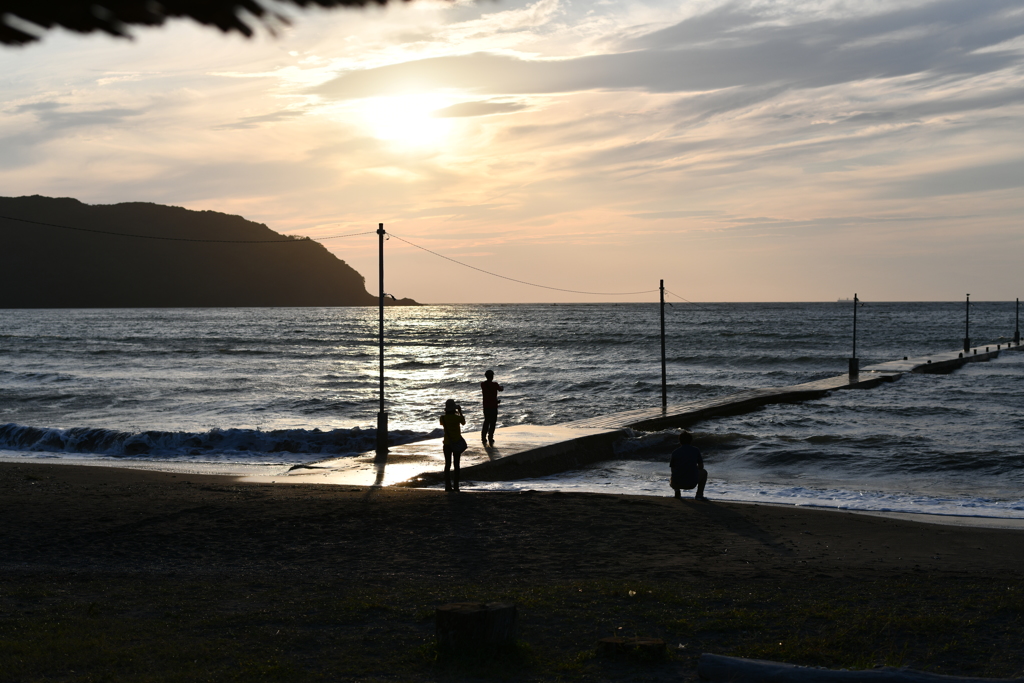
{"x": 519, "y": 451}
{"x": 531, "y": 451}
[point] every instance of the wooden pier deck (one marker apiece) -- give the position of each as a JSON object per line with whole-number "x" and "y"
{"x": 529, "y": 451}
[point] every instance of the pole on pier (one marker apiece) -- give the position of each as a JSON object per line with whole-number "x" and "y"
{"x": 664, "y": 380}
{"x": 382, "y": 416}
{"x": 1016, "y": 327}
{"x": 967, "y": 327}
{"x": 854, "y": 361}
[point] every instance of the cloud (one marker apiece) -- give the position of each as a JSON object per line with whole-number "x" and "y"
{"x": 660, "y": 215}
{"x": 36, "y": 106}
{"x": 478, "y": 109}
{"x": 57, "y": 116}
{"x": 532, "y": 16}
{"x": 719, "y": 128}
{"x": 254, "y": 121}
{"x": 727, "y": 48}
{"x": 982, "y": 178}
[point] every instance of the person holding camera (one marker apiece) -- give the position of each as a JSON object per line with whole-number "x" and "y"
{"x": 490, "y": 390}
{"x": 453, "y": 443}
{"x": 688, "y": 467}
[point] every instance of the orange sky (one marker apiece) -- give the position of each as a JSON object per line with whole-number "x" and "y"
{"x": 742, "y": 151}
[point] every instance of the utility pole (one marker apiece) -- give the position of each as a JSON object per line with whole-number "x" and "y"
{"x": 967, "y": 328}
{"x": 854, "y": 361}
{"x": 1016, "y": 327}
{"x": 664, "y": 379}
{"x": 382, "y": 416}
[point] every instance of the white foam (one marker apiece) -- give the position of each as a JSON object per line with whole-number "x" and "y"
{"x": 607, "y": 481}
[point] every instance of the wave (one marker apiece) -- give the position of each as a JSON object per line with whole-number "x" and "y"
{"x": 638, "y": 444}
{"x": 765, "y": 361}
{"x": 160, "y": 444}
{"x": 246, "y": 352}
{"x": 37, "y": 377}
{"x": 415, "y": 365}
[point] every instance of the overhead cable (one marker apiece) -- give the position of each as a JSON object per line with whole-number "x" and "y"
{"x": 330, "y": 237}
{"x": 512, "y": 279}
{"x": 293, "y": 240}
{"x": 686, "y": 300}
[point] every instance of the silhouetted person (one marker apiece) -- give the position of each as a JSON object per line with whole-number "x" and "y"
{"x": 688, "y": 467}
{"x": 453, "y": 443}
{"x": 490, "y": 389}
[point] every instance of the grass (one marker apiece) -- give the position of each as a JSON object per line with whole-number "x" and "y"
{"x": 290, "y": 628}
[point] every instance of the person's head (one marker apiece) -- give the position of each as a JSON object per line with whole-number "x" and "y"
{"x": 450, "y": 406}
{"x": 489, "y": 375}
{"x": 685, "y": 437}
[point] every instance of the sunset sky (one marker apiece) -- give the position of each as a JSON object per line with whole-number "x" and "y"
{"x": 742, "y": 151}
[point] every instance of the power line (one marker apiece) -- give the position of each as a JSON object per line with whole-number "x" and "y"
{"x": 512, "y": 279}
{"x": 330, "y": 237}
{"x": 351, "y": 234}
{"x": 686, "y": 300}
{"x": 184, "y": 239}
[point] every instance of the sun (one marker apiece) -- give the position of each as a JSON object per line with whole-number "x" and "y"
{"x": 408, "y": 120}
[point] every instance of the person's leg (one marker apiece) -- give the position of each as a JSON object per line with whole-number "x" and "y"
{"x": 458, "y": 457}
{"x": 490, "y": 419}
{"x": 672, "y": 483}
{"x": 703, "y": 479}
{"x": 447, "y": 467}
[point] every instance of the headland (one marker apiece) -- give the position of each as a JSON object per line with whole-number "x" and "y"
{"x": 143, "y": 255}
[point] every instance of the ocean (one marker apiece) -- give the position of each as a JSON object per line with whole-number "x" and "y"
{"x": 262, "y": 389}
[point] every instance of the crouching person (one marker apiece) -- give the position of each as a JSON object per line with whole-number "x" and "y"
{"x": 688, "y": 467}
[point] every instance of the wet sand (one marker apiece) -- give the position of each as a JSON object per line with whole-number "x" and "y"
{"x": 104, "y": 519}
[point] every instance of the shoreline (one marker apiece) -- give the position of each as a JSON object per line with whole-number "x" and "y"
{"x": 43, "y": 501}
{"x": 282, "y": 478}
{"x": 974, "y": 521}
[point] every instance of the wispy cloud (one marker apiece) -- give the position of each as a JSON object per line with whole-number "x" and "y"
{"x": 253, "y": 121}
{"x": 479, "y": 109}
{"x": 579, "y": 139}
{"x": 730, "y": 48}
{"x": 961, "y": 181}
{"x": 56, "y": 116}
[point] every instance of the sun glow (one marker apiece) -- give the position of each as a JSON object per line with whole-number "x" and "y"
{"x": 408, "y": 119}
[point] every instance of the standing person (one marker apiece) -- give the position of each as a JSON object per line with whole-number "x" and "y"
{"x": 490, "y": 389}
{"x": 453, "y": 443}
{"x": 688, "y": 467}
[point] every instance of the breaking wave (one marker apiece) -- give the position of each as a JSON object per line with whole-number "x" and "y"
{"x": 215, "y": 442}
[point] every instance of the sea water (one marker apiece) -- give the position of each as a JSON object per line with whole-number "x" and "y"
{"x": 229, "y": 390}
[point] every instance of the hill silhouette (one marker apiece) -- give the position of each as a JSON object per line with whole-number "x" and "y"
{"x": 48, "y": 267}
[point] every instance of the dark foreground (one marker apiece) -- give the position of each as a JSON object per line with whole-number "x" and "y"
{"x": 118, "y": 575}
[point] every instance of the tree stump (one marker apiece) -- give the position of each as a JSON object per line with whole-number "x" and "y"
{"x": 650, "y": 649}
{"x": 475, "y": 627}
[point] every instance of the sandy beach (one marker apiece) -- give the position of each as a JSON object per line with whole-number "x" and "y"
{"x": 82, "y": 536}
{"x": 200, "y": 575}
{"x": 102, "y": 519}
